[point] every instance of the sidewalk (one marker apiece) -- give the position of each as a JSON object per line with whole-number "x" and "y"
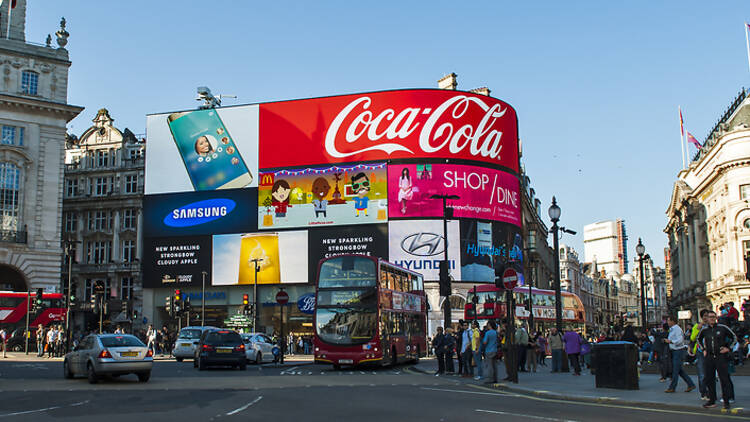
{"x": 565, "y": 386}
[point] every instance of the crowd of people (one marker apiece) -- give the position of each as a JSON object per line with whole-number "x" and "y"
{"x": 710, "y": 344}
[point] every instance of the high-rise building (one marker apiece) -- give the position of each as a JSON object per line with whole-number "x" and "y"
{"x": 606, "y": 243}
{"x": 102, "y": 218}
{"x": 34, "y": 111}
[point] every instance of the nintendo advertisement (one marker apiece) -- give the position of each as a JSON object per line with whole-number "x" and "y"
{"x": 323, "y": 196}
{"x": 281, "y": 258}
{"x": 202, "y": 150}
{"x": 483, "y": 193}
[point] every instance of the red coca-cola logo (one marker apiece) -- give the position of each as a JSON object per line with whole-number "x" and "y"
{"x": 388, "y": 125}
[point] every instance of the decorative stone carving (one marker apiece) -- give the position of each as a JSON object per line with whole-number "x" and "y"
{"x": 48, "y": 41}
{"x": 62, "y": 34}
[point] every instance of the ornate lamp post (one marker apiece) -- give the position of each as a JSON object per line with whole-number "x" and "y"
{"x": 554, "y": 215}
{"x": 641, "y": 250}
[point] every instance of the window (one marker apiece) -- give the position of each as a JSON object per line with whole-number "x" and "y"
{"x": 128, "y": 250}
{"x": 744, "y": 191}
{"x": 746, "y": 223}
{"x": 102, "y": 186}
{"x": 131, "y": 183}
{"x": 126, "y": 288}
{"x": 129, "y": 218}
{"x": 10, "y": 176}
{"x": 71, "y": 187}
{"x": 102, "y": 158}
{"x": 12, "y": 135}
{"x": 90, "y": 288}
{"x": 98, "y": 252}
{"x": 99, "y": 220}
{"x": 71, "y": 220}
{"x": 746, "y": 247}
{"x": 29, "y": 82}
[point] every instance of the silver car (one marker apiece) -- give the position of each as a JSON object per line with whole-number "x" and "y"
{"x": 109, "y": 354}
{"x": 258, "y": 347}
{"x": 187, "y": 341}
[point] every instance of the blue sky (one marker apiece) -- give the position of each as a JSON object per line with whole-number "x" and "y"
{"x": 596, "y": 84}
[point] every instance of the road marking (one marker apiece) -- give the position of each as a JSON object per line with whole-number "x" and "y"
{"x": 290, "y": 370}
{"x": 26, "y": 412}
{"x": 464, "y": 391}
{"x": 240, "y": 409}
{"x": 541, "y": 418}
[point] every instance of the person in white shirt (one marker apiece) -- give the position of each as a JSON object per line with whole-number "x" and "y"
{"x": 677, "y": 345}
{"x": 51, "y": 338}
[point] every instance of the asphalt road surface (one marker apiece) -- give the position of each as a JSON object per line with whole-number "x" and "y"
{"x": 36, "y": 390}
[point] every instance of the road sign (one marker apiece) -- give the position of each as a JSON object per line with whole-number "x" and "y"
{"x": 282, "y": 298}
{"x": 510, "y": 278}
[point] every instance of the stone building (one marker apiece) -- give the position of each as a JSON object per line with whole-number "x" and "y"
{"x": 34, "y": 111}
{"x": 102, "y": 218}
{"x": 539, "y": 264}
{"x": 709, "y": 217}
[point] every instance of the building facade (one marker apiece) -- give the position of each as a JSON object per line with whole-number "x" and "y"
{"x": 606, "y": 243}
{"x": 539, "y": 264}
{"x": 102, "y": 220}
{"x": 33, "y": 115}
{"x": 709, "y": 217}
{"x": 571, "y": 272}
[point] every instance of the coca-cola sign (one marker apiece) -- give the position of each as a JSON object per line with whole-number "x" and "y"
{"x": 388, "y": 125}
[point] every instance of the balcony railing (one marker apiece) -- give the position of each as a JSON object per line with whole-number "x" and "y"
{"x": 13, "y": 236}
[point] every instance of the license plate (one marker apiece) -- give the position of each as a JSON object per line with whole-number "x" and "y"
{"x": 223, "y": 350}
{"x": 185, "y": 344}
{"x": 129, "y": 354}
{"x": 346, "y": 361}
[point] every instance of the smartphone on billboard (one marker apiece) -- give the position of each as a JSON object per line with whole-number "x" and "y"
{"x": 210, "y": 155}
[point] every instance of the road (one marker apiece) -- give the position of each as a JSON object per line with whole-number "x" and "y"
{"x": 36, "y": 390}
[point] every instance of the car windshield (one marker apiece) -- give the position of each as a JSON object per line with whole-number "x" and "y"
{"x": 346, "y": 326}
{"x": 121, "y": 341}
{"x": 228, "y": 338}
{"x": 347, "y": 271}
{"x": 190, "y": 333}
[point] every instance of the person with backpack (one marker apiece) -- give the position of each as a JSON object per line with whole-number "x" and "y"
{"x": 573, "y": 348}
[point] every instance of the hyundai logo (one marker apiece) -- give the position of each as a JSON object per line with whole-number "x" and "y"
{"x": 423, "y": 244}
{"x": 199, "y": 212}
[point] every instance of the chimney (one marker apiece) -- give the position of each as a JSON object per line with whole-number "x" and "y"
{"x": 481, "y": 91}
{"x": 448, "y": 82}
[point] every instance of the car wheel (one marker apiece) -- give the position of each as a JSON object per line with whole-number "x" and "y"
{"x": 179, "y": 359}
{"x": 17, "y": 348}
{"x": 91, "y": 373}
{"x": 67, "y": 373}
{"x": 258, "y": 358}
{"x": 144, "y": 376}
{"x": 201, "y": 364}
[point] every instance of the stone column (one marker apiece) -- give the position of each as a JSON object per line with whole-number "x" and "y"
{"x": 699, "y": 276}
{"x": 139, "y": 235}
{"x": 116, "y": 255}
{"x": 681, "y": 281}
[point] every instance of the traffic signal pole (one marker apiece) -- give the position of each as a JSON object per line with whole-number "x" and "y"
{"x": 28, "y": 310}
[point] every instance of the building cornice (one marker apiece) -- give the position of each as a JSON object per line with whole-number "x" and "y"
{"x": 67, "y": 111}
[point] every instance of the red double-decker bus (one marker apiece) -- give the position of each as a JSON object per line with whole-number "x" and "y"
{"x": 491, "y": 305}
{"x": 13, "y": 306}
{"x": 368, "y": 311}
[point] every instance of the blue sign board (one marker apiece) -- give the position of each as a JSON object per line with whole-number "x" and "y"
{"x": 306, "y": 303}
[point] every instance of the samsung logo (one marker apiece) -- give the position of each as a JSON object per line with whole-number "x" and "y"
{"x": 199, "y": 212}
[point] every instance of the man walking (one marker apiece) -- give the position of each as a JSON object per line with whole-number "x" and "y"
{"x": 476, "y": 348}
{"x": 490, "y": 352}
{"x": 556, "y": 347}
{"x": 521, "y": 341}
{"x": 662, "y": 353}
{"x": 573, "y": 348}
{"x": 40, "y": 341}
{"x": 698, "y": 352}
{"x": 676, "y": 341}
{"x": 717, "y": 341}
{"x": 466, "y": 351}
{"x": 459, "y": 336}
{"x": 438, "y": 343}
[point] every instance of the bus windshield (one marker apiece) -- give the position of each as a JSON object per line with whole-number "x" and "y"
{"x": 346, "y": 326}
{"x": 347, "y": 271}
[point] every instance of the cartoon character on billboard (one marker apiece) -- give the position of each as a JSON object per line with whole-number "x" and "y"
{"x": 405, "y": 189}
{"x": 320, "y": 189}
{"x": 361, "y": 185}
{"x": 280, "y": 193}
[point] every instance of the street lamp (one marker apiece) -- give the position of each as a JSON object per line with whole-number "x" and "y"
{"x": 256, "y": 311}
{"x": 445, "y": 280}
{"x": 641, "y": 250}
{"x": 554, "y": 215}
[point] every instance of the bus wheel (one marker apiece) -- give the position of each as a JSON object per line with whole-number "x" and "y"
{"x": 394, "y": 357}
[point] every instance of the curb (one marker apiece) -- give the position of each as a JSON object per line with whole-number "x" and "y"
{"x": 736, "y": 411}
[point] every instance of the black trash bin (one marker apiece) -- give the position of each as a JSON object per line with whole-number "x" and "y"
{"x": 615, "y": 365}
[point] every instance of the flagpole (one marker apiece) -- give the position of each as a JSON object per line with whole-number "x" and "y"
{"x": 747, "y": 42}
{"x": 682, "y": 138}
{"x": 10, "y": 13}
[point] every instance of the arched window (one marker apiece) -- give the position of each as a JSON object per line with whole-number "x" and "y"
{"x": 10, "y": 184}
{"x": 29, "y": 82}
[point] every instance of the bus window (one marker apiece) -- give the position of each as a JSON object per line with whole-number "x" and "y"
{"x": 383, "y": 278}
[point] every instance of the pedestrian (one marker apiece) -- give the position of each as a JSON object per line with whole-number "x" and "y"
{"x": 489, "y": 343}
{"x": 51, "y": 338}
{"x": 676, "y": 341}
{"x": 466, "y": 351}
{"x": 717, "y": 341}
{"x": 541, "y": 342}
{"x": 521, "y": 341}
{"x": 697, "y": 350}
{"x": 60, "y": 341}
{"x": 555, "y": 341}
{"x": 40, "y": 341}
{"x": 459, "y": 336}
{"x": 3, "y": 339}
{"x": 151, "y": 336}
{"x": 532, "y": 352}
{"x": 573, "y": 348}
{"x": 661, "y": 349}
{"x": 476, "y": 348}
{"x": 450, "y": 346}
{"x": 438, "y": 344}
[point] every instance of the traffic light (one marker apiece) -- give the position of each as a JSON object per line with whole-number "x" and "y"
{"x": 245, "y": 299}
{"x": 72, "y": 295}
{"x": 39, "y": 298}
{"x": 169, "y": 305}
{"x": 124, "y": 307}
{"x": 177, "y": 295}
{"x": 186, "y": 308}
{"x": 445, "y": 281}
